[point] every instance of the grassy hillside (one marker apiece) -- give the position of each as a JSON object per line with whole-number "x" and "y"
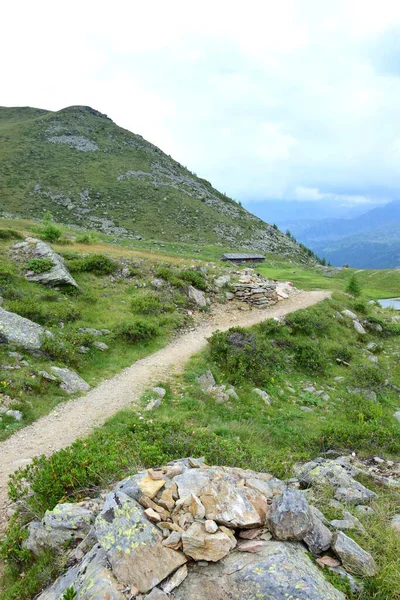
{"x": 88, "y": 171}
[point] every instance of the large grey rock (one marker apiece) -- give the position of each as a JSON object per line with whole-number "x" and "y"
{"x": 33, "y": 248}
{"x": 291, "y": 518}
{"x": 197, "y": 297}
{"x": 349, "y": 314}
{"x": 67, "y": 522}
{"x": 222, "y": 281}
{"x": 133, "y": 546}
{"x": 91, "y": 579}
{"x": 15, "y": 329}
{"x": 337, "y": 474}
{"x": 71, "y": 381}
{"x": 263, "y": 395}
{"x": 278, "y": 571}
{"x": 354, "y": 558}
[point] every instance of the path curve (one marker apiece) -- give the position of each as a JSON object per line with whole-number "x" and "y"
{"x": 77, "y": 418}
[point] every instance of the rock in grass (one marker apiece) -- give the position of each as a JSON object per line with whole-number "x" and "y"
{"x": 15, "y": 329}
{"x": 349, "y": 314}
{"x": 32, "y": 248}
{"x": 197, "y": 297}
{"x": 263, "y": 395}
{"x": 206, "y": 381}
{"x": 290, "y": 518}
{"x": 71, "y": 382}
{"x": 277, "y": 571}
{"x": 133, "y": 546}
{"x": 359, "y": 328}
{"x": 395, "y": 523}
{"x": 354, "y": 558}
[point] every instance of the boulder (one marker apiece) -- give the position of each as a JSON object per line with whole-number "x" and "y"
{"x": 354, "y": 558}
{"x": 200, "y": 545}
{"x": 15, "y": 329}
{"x": 71, "y": 382}
{"x": 222, "y": 281}
{"x": 133, "y": 546}
{"x": 276, "y": 572}
{"x": 65, "y": 523}
{"x": 91, "y": 579}
{"x": 290, "y": 518}
{"x": 32, "y": 248}
{"x": 197, "y": 297}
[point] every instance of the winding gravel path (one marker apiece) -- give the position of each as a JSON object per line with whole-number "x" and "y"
{"x": 77, "y": 418}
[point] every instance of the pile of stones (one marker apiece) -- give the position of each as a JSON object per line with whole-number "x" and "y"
{"x": 188, "y": 530}
{"x": 259, "y": 292}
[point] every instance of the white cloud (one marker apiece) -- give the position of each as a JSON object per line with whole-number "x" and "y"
{"x": 269, "y": 99}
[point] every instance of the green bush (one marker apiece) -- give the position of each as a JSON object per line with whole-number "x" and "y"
{"x": 368, "y": 376}
{"x": 96, "y": 263}
{"x": 11, "y": 549}
{"x": 171, "y": 276}
{"x": 193, "y": 277}
{"x": 51, "y": 232}
{"x": 69, "y": 594}
{"x": 150, "y": 305}
{"x": 138, "y": 331}
{"x": 10, "y": 234}
{"x": 41, "y": 313}
{"x": 309, "y": 356}
{"x": 59, "y": 348}
{"x": 40, "y": 265}
{"x": 311, "y": 321}
{"x": 244, "y": 356}
{"x": 89, "y": 237}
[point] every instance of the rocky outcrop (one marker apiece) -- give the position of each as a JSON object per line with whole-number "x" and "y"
{"x": 199, "y": 532}
{"x": 31, "y": 248}
{"x": 197, "y": 297}
{"x": 15, "y": 329}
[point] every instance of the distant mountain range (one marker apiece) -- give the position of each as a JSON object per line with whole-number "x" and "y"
{"x": 367, "y": 241}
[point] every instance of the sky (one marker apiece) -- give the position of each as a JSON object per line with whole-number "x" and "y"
{"x": 291, "y": 100}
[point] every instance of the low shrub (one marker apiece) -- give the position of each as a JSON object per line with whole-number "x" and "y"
{"x": 137, "y": 331}
{"x": 50, "y": 232}
{"x": 311, "y": 321}
{"x": 59, "y": 348}
{"x": 309, "y": 356}
{"x": 171, "y": 276}
{"x": 43, "y": 314}
{"x": 150, "y": 305}
{"x": 89, "y": 237}
{"x": 194, "y": 278}
{"x": 368, "y": 376}
{"x": 40, "y": 265}
{"x": 99, "y": 264}
{"x": 10, "y": 234}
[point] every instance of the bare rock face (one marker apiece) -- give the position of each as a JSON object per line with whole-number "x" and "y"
{"x": 318, "y": 538}
{"x": 291, "y": 518}
{"x": 354, "y": 558}
{"x": 200, "y": 545}
{"x": 276, "y": 572}
{"x": 32, "y": 248}
{"x": 133, "y": 546}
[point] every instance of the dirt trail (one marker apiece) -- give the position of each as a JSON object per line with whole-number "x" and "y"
{"x": 77, "y": 418}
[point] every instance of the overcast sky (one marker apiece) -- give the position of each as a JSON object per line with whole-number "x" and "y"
{"x": 267, "y": 99}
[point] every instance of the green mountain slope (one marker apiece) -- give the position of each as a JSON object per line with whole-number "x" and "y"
{"x": 88, "y": 171}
